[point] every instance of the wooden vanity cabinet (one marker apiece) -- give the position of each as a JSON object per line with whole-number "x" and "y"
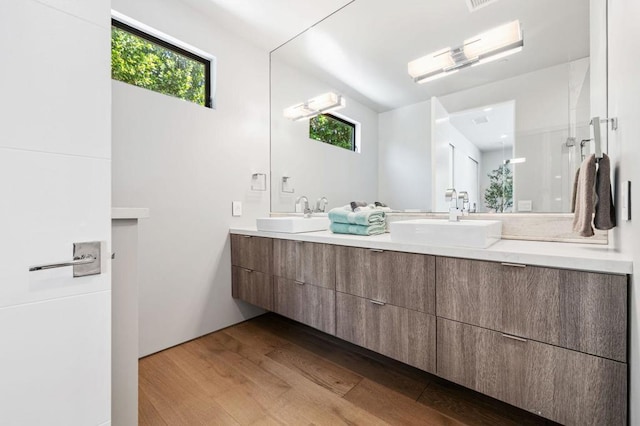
{"x": 401, "y": 279}
{"x": 583, "y": 311}
{"x": 251, "y": 261}
{"x": 385, "y": 302}
{"x": 310, "y": 263}
{"x": 399, "y": 333}
{"x": 306, "y": 303}
{"x": 304, "y": 283}
{"x": 566, "y": 386}
{"x": 551, "y": 341}
{"x": 254, "y": 253}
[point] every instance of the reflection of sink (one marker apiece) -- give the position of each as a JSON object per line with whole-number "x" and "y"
{"x": 292, "y": 225}
{"x": 440, "y": 232}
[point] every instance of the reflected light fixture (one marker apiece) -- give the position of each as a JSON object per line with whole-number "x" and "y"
{"x": 489, "y": 46}
{"x": 315, "y": 106}
{"x": 515, "y": 160}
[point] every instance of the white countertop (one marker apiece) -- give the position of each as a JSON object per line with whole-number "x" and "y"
{"x": 127, "y": 213}
{"x": 557, "y": 255}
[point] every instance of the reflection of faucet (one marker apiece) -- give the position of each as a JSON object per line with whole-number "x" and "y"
{"x": 321, "y": 201}
{"x": 464, "y": 196}
{"x": 452, "y": 197}
{"x": 306, "y": 210}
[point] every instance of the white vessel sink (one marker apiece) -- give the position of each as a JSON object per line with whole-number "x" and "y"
{"x": 292, "y": 224}
{"x": 441, "y": 232}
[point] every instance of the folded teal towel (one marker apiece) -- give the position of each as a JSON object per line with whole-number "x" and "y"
{"x": 364, "y": 217}
{"x": 345, "y": 228}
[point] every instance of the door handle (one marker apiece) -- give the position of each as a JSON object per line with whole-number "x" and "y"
{"x": 86, "y": 260}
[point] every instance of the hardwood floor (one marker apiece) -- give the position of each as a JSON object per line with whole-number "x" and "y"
{"x": 273, "y": 371}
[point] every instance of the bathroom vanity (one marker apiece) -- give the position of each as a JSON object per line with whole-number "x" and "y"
{"x": 542, "y": 326}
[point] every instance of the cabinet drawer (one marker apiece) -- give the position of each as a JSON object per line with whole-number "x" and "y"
{"x": 310, "y": 263}
{"x": 569, "y": 387}
{"x": 251, "y": 252}
{"x": 403, "y": 334}
{"x": 306, "y": 303}
{"x": 252, "y": 286}
{"x": 401, "y": 279}
{"x": 577, "y": 310}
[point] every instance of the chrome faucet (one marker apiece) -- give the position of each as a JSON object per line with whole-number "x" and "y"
{"x": 464, "y": 196}
{"x": 307, "y": 211}
{"x": 451, "y": 197}
{"x": 321, "y": 205}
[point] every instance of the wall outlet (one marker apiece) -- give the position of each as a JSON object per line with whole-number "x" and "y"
{"x": 236, "y": 208}
{"x": 525, "y": 205}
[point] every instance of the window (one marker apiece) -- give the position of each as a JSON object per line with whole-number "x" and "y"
{"x": 146, "y": 61}
{"x": 333, "y": 130}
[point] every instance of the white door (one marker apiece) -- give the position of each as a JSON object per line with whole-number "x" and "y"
{"x": 54, "y": 191}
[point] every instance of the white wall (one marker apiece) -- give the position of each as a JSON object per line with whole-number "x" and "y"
{"x": 404, "y": 161}
{"x": 316, "y": 168}
{"x": 449, "y": 169}
{"x": 187, "y": 163}
{"x": 624, "y": 86}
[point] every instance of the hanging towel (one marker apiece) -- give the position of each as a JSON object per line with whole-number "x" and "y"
{"x": 605, "y": 210}
{"x": 346, "y": 228}
{"x": 364, "y": 217}
{"x": 585, "y": 197}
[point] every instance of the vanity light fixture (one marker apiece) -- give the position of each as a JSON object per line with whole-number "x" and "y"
{"x": 315, "y": 106}
{"x": 486, "y": 47}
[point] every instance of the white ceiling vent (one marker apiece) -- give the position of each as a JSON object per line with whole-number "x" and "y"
{"x": 474, "y": 5}
{"x": 480, "y": 120}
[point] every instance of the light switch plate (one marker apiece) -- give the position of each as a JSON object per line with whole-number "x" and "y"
{"x": 236, "y": 208}
{"x": 626, "y": 200}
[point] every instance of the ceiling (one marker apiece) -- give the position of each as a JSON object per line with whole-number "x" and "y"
{"x": 489, "y": 127}
{"x": 266, "y": 23}
{"x": 364, "y": 49}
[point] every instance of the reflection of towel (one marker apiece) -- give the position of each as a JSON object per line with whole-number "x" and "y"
{"x": 585, "y": 197}
{"x": 364, "y": 217}
{"x": 345, "y": 228}
{"x": 575, "y": 189}
{"x": 605, "y": 210}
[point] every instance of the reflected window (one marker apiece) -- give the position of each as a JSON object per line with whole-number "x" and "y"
{"x": 333, "y": 130}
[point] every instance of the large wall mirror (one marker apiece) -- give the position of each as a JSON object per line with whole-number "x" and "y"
{"x": 509, "y": 130}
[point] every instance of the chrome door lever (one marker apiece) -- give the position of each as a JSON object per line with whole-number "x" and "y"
{"x": 86, "y": 260}
{"x": 82, "y": 260}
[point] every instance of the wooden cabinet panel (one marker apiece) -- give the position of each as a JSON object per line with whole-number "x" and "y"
{"x": 403, "y": 334}
{"x": 310, "y": 263}
{"x": 566, "y": 386}
{"x": 578, "y": 310}
{"x": 252, "y": 286}
{"x": 401, "y": 279}
{"x": 306, "y": 303}
{"x": 251, "y": 252}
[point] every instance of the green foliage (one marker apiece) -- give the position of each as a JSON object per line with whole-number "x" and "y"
{"x": 499, "y": 195}
{"x": 326, "y": 128}
{"x": 140, "y": 62}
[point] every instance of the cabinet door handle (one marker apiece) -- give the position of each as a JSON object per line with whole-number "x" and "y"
{"x": 377, "y": 250}
{"x": 376, "y": 302}
{"x": 247, "y": 236}
{"x": 299, "y": 282}
{"x": 248, "y": 271}
{"x": 514, "y": 265}
{"x": 519, "y": 339}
